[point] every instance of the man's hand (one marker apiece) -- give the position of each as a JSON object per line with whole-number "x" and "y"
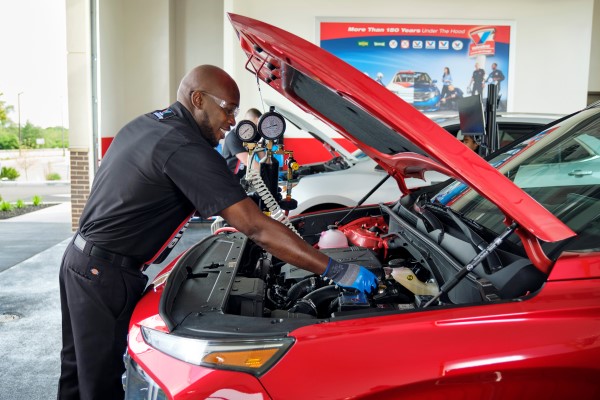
{"x": 350, "y": 276}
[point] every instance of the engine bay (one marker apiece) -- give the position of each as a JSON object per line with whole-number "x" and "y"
{"x": 228, "y": 274}
{"x": 410, "y": 274}
{"x": 290, "y": 292}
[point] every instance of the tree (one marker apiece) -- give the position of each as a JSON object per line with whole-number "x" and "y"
{"x": 4, "y": 110}
{"x": 29, "y": 134}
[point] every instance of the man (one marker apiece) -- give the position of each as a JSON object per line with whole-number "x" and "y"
{"x": 496, "y": 76}
{"x": 477, "y": 80}
{"x": 451, "y": 97}
{"x": 159, "y": 169}
{"x": 471, "y": 143}
{"x": 234, "y": 152}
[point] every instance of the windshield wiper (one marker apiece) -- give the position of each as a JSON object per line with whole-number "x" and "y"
{"x": 490, "y": 264}
{"x": 431, "y": 222}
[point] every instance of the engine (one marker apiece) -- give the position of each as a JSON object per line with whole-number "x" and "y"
{"x": 281, "y": 290}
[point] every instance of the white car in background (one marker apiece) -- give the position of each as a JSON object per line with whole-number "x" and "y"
{"x": 322, "y": 187}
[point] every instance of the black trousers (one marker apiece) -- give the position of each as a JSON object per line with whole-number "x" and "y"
{"x": 97, "y": 300}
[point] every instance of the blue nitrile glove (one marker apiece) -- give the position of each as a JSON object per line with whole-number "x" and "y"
{"x": 350, "y": 276}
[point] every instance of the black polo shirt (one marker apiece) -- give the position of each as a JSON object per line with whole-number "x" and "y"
{"x": 232, "y": 146}
{"x": 158, "y": 169}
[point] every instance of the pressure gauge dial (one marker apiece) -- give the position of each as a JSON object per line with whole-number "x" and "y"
{"x": 246, "y": 131}
{"x": 271, "y": 125}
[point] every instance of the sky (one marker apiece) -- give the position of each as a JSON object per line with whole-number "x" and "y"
{"x": 33, "y": 61}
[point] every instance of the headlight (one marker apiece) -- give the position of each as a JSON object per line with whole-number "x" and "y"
{"x": 138, "y": 385}
{"x": 253, "y": 356}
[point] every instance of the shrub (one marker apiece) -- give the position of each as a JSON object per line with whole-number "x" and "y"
{"x": 5, "y": 206}
{"x": 8, "y": 141}
{"x": 20, "y": 204}
{"x": 36, "y": 200}
{"x": 53, "y": 176}
{"x": 9, "y": 173}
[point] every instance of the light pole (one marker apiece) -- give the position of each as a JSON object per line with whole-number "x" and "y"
{"x": 19, "y": 116}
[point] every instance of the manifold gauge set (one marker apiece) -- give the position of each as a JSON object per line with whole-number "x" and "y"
{"x": 271, "y": 126}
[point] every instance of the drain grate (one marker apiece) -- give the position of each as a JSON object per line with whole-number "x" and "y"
{"x": 8, "y": 317}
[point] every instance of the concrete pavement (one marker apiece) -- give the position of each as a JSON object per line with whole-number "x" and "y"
{"x": 25, "y": 236}
{"x": 31, "y": 249}
{"x": 49, "y": 191}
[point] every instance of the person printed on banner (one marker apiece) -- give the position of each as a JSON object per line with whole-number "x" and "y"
{"x": 446, "y": 81}
{"x": 450, "y": 100}
{"x": 380, "y": 78}
{"x": 496, "y": 76}
{"x": 477, "y": 79}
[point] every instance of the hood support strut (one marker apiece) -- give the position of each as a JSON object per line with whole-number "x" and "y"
{"x": 361, "y": 201}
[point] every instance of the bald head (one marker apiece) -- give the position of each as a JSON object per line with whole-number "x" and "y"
{"x": 212, "y": 97}
{"x": 211, "y": 79}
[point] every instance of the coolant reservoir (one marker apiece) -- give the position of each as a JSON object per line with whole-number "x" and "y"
{"x": 407, "y": 278}
{"x": 332, "y": 238}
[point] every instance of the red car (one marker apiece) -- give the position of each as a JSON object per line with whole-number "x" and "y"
{"x": 489, "y": 286}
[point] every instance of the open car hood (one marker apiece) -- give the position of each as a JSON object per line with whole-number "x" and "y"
{"x": 390, "y": 131}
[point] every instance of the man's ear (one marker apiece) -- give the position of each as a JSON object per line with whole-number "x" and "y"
{"x": 196, "y": 99}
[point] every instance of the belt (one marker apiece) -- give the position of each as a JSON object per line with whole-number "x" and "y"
{"x": 96, "y": 251}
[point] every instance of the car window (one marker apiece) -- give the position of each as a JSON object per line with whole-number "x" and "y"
{"x": 403, "y": 78}
{"x": 421, "y": 77}
{"x": 579, "y": 148}
{"x": 508, "y": 132}
{"x": 561, "y": 172}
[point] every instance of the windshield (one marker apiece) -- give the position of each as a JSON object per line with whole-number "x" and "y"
{"x": 559, "y": 168}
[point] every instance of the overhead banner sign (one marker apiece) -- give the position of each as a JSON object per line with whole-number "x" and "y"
{"x": 419, "y": 61}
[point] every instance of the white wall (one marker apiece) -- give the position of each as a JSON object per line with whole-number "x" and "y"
{"x": 198, "y": 35}
{"x": 134, "y": 60}
{"x": 594, "y": 83}
{"x": 552, "y": 41}
{"x": 146, "y": 46}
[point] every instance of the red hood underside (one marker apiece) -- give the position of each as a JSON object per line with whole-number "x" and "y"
{"x": 272, "y": 51}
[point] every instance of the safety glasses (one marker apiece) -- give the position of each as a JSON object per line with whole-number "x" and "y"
{"x": 231, "y": 111}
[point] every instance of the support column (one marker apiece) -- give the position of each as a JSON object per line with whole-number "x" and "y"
{"x": 80, "y": 183}
{"x": 79, "y": 59}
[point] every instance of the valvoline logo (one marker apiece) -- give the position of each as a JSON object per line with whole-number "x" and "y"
{"x": 483, "y": 41}
{"x": 482, "y": 35}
